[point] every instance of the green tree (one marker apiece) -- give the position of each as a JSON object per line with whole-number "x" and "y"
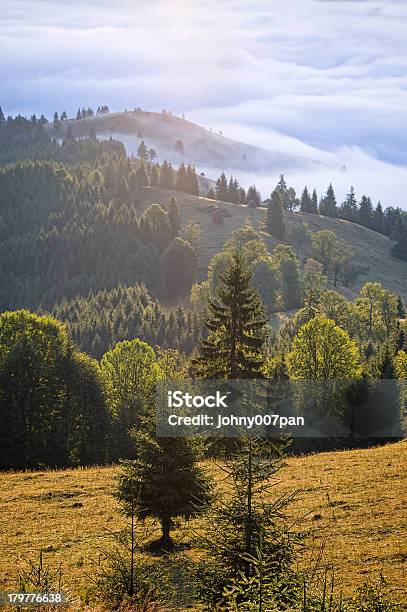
{"x": 52, "y": 402}
{"x": 181, "y": 180}
{"x": 164, "y": 482}
{"x": 306, "y": 202}
{"x": 266, "y": 279}
{"x": 366, "y": 212}
{"x": 288, "y": 265}
{"x": 130, "y": 372}
{"x": 222, "y": 188}
{"x": 400, "y": 364}
{"x": 327, "y": 205}
{"x": 322, "y": 350}
{"x": 275, "y": 217}
{"x": 166, "y": 175}
{"x": 325, "y": 246}
{"x": 160, "y": 227}
{"x": 349, "y": 208}
{"x": 178, "y": 268}
{"x": 174, "y": 216}
{"x": 244, "y": 518}
{"x": 237, "y": 328}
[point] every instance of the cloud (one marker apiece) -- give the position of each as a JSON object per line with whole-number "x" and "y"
{"x": 319, "y": 76}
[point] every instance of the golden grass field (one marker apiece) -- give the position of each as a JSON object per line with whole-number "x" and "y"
{"x": 354, "y": 502}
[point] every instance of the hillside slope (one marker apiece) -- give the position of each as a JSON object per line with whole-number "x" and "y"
{"x": 202, "y": 147}
{"x": 353, "y": 502}
{"x": 371, "y": 250}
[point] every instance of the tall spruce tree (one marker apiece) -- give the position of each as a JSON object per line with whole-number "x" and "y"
{"x": 314, "y": 202}
{"x": 349, "y": 208}
{"x": 328, "y": 206}
{"x": 237, "y": 326}
{"x": 306, "y": 202}
{"x": 275, "y": 218}
{"x": 222, "y": 188}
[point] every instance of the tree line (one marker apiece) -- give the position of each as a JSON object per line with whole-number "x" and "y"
{"x": 61, "y": 407}
{"x": 391, "y": 221}
{"x": 68, "y": 229}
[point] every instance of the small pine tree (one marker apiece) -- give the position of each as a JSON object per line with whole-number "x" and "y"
{"x": 218, "y": 217}
{"x": 245, "y": 520}
{"x": 237, "y": 322}
{"x": 164, "y": 482}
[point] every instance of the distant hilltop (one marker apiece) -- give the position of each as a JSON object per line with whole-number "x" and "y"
{"x": 179, "y": 140}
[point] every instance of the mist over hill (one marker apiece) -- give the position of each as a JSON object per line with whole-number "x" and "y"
{"x": 213, "y": 152}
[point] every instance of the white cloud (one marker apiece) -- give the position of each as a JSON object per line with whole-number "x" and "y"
{"x": 310, "y": 75}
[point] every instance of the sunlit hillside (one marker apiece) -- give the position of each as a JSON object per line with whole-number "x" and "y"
{"x": 371, "y": 249}
{"x": 352, "y": 504}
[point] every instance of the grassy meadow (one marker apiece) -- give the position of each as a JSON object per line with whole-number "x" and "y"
{"x": 371, "y": 250}
{"x": 353, "y": 503}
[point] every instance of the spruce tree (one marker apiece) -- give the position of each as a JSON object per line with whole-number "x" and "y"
{"x": 328, "y": 206}
{"x": 275, "y": 217}
{"x": 241, "y": 522}
{"x": 192, "y": 185}
{"x": 282, "y": 190}
{"x": 306, "y": 202}
{"x": 378, "y": 218}
{"x": 236, "y": 324}
{"x": 314, "y": 202}
{"x": 365, "y": 212}
{"x": 181, "y": 180}
{"x": 166, "y": 176}
{"x": 222, "y": 188}
{"x": 349, "y": 208}
{"x": 164, "y": 482}
{"x": 253, "y": 197}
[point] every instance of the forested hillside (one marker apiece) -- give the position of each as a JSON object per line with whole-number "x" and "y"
{"x": 120, "y": 274}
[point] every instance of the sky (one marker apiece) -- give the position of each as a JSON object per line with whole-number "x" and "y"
{"x": 321, "y": 78}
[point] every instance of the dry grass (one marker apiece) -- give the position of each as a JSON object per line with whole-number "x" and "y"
{"x": 354, "y": 501}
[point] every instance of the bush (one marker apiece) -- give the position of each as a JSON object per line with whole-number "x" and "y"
{"x": 218, "y": 217}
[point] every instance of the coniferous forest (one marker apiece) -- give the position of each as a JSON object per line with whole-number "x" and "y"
{"x": 103, "y": 298}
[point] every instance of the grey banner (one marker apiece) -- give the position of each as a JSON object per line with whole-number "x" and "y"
{"x": 271, "y": 409}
